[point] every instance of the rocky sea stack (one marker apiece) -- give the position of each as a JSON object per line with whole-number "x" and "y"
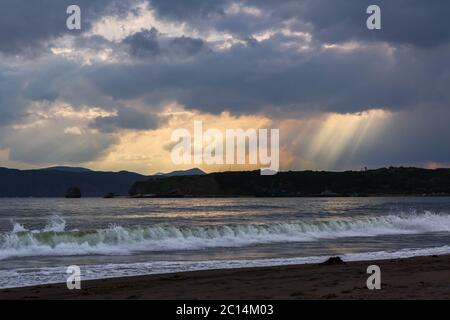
{"x": 73, "y": 192}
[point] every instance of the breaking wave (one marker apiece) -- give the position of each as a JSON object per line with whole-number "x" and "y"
{"x": 55, "y": 240}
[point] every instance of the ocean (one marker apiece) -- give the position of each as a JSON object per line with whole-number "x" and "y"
{"x": 40, "y": 238}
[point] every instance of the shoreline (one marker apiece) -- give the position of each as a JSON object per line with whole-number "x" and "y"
{"x": 245, "y": 196}
{"x": 425, "y": 277}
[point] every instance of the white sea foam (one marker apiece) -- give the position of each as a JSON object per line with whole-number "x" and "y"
{"x": 17, "y": 227}
{"x": 56, "y": 224}
{"x": 53, "y": 240}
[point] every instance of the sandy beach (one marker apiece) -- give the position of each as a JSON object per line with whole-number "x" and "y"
{"x": 411, "y": 278}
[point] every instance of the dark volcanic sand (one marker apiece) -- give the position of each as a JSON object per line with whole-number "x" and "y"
{"x": 412, "y": 278}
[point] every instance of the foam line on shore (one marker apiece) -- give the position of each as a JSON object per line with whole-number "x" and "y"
{"x": 37, "y": 276}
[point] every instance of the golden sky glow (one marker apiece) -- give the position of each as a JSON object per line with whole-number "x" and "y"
{"x": 312, "y": 143}
{"x": 306, "y": 142}
{"x": 149, "y": 151}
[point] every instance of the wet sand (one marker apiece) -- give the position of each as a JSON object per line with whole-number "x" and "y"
{"x": 412, "y": 278}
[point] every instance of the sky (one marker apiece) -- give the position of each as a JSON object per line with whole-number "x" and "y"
{"x": 109, "y": 96}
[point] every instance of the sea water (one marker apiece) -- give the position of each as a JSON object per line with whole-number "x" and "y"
{"x": 40, "y": 238}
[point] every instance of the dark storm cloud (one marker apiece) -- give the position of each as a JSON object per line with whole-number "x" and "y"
{"x": 144, "y": 43}
{"x": 189, "y": 10}
{"x": 52, "y": 80}
{"x": 207, "y": 15}
{"x": 186, "y": 46}
{"x": 26, "y": 25}
{"x": 403, "y": 68}
{"x": 149, "y": 43}
{"x": 415, "y": 22}
{"x": 250, "y": 79}
{"x": 58, "y": 79}
{"x": 11, "y": 100}
{"x": 253, "y": 77}
{"x": 126, "y": 118}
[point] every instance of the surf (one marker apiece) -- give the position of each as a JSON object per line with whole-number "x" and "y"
{"x": 55, "y": 240}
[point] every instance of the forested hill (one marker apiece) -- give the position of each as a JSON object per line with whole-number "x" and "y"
{"x": 379, "y": 182}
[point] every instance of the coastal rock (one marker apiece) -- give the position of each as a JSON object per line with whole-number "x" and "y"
{"x": 73, "y": 192}
{"x": 333, "y": 261}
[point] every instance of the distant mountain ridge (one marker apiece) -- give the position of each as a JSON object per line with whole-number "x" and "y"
{"x": 67, "y": 169}
{"x": 189, "y": 172}
{"x": 55, "y": 181}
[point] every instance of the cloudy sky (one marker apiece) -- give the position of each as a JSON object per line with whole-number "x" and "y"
{"x": 109, "y": 96}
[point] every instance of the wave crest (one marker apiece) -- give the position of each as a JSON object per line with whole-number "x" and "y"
{"x": 54, "y": 240}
